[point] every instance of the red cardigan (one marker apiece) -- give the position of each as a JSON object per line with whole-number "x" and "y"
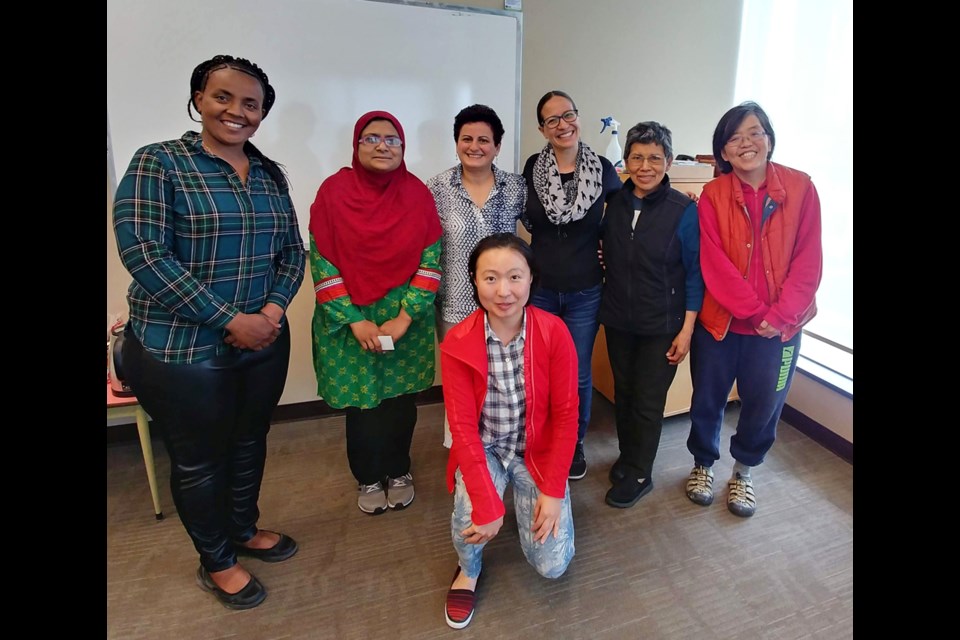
{"x": 551, "y": 407}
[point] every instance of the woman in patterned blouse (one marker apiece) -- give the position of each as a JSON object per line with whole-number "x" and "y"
{"x": 474, "y": 199}
{"x": 374, "y": 255}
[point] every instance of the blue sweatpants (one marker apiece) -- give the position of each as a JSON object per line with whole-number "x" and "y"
{"x": 762, "y": 368}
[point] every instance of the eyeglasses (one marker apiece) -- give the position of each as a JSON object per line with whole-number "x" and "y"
{"x": 653, "y": 161}
{"x": 753, "y": 136}
{"x": 566, "y": 116}
{"x": 374, "y": 140}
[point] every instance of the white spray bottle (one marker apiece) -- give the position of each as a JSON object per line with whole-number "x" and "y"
{"x": 614, "y": 152}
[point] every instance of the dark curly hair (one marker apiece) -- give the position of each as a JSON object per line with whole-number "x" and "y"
{"x": 479, "y": 113}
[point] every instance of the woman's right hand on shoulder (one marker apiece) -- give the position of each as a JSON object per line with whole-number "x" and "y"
{"x": 367, "y": 334}
{"x": 480, "y": 533}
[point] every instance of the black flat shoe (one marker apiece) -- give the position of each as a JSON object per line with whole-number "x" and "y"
{"x": 247, "y": 598}
{"x": 628, "y": 491}
{"x": 285, "y": 548}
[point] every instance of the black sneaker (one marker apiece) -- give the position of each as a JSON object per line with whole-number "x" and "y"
{"x": 578, "y": 468}
{"x": 625, "y": 493}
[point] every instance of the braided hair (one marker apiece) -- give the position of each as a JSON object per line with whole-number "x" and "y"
{"x": 198, "y": 81}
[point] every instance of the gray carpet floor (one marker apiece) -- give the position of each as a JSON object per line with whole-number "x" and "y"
{"x": 665, "y": 568}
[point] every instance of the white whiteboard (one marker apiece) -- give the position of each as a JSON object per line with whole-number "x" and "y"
{"x": 329, "y": 61}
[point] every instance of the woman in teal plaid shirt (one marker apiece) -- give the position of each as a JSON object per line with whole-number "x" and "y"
{"x": 206, "y": 227}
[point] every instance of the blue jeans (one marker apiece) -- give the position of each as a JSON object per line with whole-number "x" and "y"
{"x": 550, "y": 558}
{"x": 578, "y": 310}
{"x": 763, "y": 369}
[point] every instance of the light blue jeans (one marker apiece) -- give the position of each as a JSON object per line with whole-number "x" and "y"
{"x": 550, "y": 558}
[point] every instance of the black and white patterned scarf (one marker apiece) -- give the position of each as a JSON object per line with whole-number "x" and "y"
{"x": 565, "y": 203}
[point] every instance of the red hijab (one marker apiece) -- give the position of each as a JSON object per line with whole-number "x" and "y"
{"x": 372, "y": 226}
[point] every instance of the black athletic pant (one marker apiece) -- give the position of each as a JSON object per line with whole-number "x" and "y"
{"x": 378, "y": 439}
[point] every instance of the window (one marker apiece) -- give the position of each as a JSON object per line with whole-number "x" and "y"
{"x": 796, "y": 61}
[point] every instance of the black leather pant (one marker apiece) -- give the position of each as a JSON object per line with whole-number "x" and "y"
{"x": 215, "y": 416}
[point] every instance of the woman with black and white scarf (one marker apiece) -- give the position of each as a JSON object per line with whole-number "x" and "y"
{"x": 568, "y": 185}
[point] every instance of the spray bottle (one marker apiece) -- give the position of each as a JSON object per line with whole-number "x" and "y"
{"x": 614, "y": 153}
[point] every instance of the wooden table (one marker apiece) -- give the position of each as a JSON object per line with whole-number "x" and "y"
{"x": 129, "y": 407}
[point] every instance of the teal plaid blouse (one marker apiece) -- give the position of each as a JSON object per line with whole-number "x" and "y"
{"x": 201, "y": 246}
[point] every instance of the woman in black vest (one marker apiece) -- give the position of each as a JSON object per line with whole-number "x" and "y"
{"x": 651, "y": 296}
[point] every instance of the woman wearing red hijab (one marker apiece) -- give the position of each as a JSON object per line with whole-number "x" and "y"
{"x": 374, "y": 255}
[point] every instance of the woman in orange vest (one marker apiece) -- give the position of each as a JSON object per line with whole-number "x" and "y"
{"x": 761, "y": 258}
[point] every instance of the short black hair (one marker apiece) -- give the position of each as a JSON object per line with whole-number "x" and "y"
{"x": 479, "y": 113}
{"x": 649, "y": 132}
{"x": 505, "y": 240}
{"x": 728, "y": 126}
{"x": 547, "y": 96}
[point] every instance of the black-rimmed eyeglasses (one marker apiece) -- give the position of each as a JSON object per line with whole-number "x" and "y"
{"x": 566, "y": 116}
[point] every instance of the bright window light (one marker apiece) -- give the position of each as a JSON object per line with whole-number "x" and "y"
{"x": 796, "y": 61}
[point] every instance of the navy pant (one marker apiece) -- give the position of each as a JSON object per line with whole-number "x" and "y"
{"x": 642, "y": 375}
{"x": 378, "y": 439}
{"x": 215, "y": 416}
{"x": 763, "y": 369}
{"x": 578, "y": 310}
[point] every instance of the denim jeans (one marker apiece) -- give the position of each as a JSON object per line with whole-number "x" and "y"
{"x": 550, "y": 558}
{"x": 578, "y": 310}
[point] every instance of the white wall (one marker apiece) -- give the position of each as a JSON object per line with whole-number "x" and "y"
{"x": 823, "y": 405}
{"x": 673, "y": 61}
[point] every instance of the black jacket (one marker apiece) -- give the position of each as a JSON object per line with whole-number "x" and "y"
{"x": 644, "y": 289}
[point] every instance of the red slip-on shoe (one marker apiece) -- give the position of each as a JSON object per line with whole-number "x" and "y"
{"x": 460, "y": 604}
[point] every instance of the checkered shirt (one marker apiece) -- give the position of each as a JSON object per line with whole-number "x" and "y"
{"x": 504, "y": 410}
